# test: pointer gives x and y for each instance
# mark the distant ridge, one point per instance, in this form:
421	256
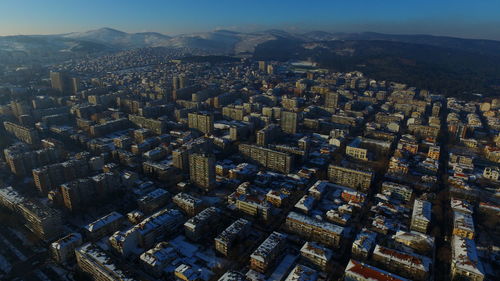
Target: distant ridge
231	42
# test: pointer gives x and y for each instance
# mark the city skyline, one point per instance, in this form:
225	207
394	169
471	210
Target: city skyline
446	18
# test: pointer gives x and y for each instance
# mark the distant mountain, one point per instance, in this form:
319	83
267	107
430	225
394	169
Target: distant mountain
489	47
45	49
450	71
119	39
219	41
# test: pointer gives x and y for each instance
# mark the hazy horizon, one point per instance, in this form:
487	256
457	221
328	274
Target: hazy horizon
447	18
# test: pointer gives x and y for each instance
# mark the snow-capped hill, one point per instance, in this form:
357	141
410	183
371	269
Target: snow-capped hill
120	39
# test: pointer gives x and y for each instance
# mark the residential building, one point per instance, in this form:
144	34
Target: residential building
156	259
289	122
465	263
412	266
200	225
188	203
463	225
358	271
103	226
274	160
301	272
202	170
147	232
45	222
201	121
63	250
399	191
238	230
421	216
357	179
98	265
267	253
311	228
316	254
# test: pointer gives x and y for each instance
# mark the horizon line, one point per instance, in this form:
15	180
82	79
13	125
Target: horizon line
254	31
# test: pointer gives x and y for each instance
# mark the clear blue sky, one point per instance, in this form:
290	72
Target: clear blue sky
462	18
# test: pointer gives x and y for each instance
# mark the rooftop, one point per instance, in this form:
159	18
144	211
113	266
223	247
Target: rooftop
103	261
464	255
367	272
302	273
103	221
317	223
268	246
422	210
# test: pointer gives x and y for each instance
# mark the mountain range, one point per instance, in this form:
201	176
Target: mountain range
219	41
453	66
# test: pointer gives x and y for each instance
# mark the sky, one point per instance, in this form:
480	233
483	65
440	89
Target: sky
459	18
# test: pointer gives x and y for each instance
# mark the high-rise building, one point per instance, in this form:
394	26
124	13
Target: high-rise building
183	81
201	121
28	135
268	134
43	221
262	65
175	82
202	170
331	100
270	69
289	122
64	83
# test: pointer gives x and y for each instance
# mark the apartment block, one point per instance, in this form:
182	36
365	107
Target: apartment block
188	203
399	191
147	232
357	179
463	225
465	263
358	271
25	134
266	254
408	265
201	224
98	265
316	230
316	254
202	170
421	216
201	121
103	226
63	250
274	160
232	235
45	222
